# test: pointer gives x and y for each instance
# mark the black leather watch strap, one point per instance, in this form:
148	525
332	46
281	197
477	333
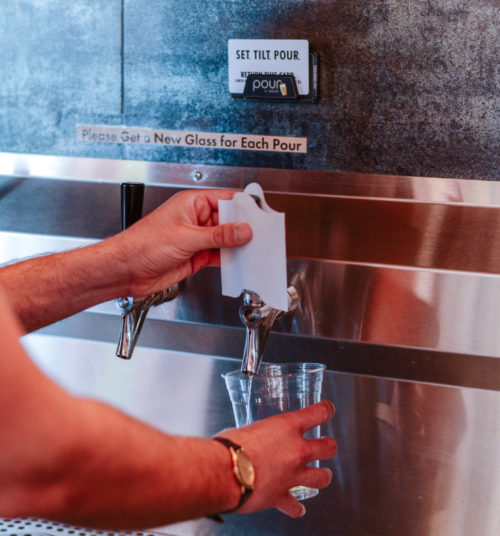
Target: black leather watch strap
227	442
246	492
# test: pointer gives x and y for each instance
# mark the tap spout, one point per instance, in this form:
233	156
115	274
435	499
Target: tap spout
134	312
259	318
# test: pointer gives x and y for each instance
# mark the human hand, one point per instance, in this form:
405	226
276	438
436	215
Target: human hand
280	453
177	240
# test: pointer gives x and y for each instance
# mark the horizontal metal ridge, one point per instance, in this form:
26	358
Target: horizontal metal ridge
329	183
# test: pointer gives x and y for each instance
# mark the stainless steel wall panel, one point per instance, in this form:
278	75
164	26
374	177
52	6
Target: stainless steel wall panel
397	278
442	311
450	317
344	356
368	228
413	459
15	247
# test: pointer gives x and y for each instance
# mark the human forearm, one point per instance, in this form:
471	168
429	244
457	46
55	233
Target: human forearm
160	479
46	289
170	244
120	473
84	462
117	473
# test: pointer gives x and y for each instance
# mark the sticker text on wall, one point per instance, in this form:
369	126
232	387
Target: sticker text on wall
179	138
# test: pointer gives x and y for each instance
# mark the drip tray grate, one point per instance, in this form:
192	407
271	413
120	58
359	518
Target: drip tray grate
30	526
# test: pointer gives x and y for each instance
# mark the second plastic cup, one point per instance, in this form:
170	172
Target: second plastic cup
277	389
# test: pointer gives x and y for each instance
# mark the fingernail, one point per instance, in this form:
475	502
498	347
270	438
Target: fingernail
329	471
303	511
332	407
240	231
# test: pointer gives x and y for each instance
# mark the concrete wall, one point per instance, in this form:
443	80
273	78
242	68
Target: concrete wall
406	88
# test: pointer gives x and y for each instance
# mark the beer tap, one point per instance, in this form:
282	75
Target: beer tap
259	318
135	310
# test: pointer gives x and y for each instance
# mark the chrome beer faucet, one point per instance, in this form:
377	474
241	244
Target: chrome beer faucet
135	310
259	319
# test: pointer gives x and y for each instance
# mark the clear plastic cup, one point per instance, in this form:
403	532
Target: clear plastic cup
277	389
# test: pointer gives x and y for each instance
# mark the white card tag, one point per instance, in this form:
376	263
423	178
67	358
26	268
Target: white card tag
268	57
260	265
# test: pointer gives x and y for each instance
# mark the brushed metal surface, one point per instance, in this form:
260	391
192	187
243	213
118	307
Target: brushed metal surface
417	189
443	311
444	236
15	247
399	276
414	459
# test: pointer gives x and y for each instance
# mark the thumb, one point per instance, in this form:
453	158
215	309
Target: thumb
225	236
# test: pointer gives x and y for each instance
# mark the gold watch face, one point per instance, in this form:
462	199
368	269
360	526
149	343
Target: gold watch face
245	469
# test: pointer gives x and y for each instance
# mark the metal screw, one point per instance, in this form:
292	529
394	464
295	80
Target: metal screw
123	302
197	176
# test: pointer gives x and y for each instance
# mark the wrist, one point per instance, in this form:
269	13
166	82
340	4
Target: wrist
111	268
230	489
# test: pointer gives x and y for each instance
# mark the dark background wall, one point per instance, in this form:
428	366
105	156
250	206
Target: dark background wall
407	88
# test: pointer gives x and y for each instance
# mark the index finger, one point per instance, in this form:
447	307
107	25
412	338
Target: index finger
314	415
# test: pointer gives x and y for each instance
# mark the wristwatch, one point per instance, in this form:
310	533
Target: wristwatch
242	468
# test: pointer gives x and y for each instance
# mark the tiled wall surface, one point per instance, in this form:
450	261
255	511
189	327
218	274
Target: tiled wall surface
407	88
60	64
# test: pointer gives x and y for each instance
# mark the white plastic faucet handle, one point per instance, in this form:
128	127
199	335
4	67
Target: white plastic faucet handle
259	265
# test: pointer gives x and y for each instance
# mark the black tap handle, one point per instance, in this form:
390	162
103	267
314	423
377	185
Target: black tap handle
132	202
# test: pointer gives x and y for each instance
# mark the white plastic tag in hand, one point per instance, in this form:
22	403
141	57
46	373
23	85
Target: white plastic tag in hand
260	265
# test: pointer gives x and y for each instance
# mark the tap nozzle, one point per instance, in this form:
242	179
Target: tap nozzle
134	312
259	319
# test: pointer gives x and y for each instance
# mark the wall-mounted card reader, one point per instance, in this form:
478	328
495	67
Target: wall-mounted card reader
272	70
